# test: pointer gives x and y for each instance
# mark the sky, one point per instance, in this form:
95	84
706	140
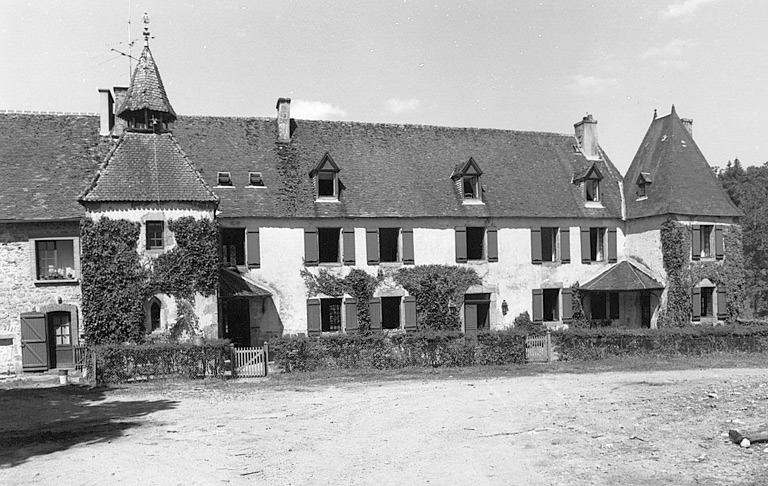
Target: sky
506	64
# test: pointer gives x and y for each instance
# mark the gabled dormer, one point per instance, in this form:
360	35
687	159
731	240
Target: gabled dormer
644	180
466	177
589	177
325	176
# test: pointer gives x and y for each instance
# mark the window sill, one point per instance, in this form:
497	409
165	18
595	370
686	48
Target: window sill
256	187
705	259
330	264
223	187
391	264
327	200
641	198
551	264
593	204
57	281
473	202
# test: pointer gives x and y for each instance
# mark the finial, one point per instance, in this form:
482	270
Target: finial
654	113
673	109
146	29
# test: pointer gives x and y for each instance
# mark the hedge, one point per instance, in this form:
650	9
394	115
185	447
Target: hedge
120	363
382	351
601	343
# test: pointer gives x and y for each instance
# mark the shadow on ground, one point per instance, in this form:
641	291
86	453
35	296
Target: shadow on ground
39	421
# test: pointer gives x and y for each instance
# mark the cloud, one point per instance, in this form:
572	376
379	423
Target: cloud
683	9
316	110
670	55
581	84
398	106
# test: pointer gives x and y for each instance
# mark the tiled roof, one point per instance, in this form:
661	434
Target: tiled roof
146	90
683	182
392	170
232	284
623	276
46	160
148	167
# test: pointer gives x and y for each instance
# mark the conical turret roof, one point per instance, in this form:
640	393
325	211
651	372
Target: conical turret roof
146	91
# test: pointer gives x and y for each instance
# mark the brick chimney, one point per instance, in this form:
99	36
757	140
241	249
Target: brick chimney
688	124
120	124
106	112
586	134
283	119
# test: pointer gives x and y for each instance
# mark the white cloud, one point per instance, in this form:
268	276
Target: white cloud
315	110
398	106
581	84
684	9
670	55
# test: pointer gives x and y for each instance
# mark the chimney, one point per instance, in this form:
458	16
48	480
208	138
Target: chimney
120	124
283	120
688	124
106	113
586	134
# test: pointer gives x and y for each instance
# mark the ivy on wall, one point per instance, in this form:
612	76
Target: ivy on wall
357	283
683	274
117	283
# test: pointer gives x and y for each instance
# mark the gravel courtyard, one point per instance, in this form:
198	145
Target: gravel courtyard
648	428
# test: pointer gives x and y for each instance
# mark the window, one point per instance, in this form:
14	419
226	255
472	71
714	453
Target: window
255	179
224	179
327	185
326	177
466	177
549	244
60	322
390	312
328	245
597	244
233	246
389	244
55	259
592	188
330	315
471	187
551	304
154	316
707	302
642	190
155	235
707	241
476	243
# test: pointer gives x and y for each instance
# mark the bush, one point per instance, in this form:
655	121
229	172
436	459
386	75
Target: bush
120	363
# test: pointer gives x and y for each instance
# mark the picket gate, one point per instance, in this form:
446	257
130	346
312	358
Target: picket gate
538	349
249	362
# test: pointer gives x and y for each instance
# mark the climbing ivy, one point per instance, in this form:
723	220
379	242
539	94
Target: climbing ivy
358	283
580	319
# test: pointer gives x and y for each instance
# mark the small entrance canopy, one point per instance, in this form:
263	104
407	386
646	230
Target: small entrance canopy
622	277
231	284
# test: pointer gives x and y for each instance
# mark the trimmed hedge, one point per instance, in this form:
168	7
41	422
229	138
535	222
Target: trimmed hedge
382	351
120	363
601	343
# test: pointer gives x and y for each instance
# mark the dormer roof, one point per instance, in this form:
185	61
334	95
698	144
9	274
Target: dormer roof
468	168
587	172
326	163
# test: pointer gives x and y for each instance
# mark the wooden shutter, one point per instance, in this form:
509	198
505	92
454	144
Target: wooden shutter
372	245
696	242
350	313
536	246
722	304
696	303
719	248
311	254
470	319
612	250
348	242
492	240
538	305
461	244
407	235
409	304
253	248
567	305
585	254
565	245
374	307
34	341
314	320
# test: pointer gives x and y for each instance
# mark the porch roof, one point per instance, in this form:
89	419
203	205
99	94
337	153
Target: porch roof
232	284
623	276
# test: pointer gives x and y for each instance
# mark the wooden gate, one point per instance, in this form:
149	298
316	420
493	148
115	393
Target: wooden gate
34	342
249	362
538	349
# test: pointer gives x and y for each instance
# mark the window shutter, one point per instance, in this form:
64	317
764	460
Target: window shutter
461	244
565	245
585	255
722	304
719	249
407	235
348	242
470	319
311	256
491	235
567	305
696	242
409	303
314	321
536	246
372	245
374	307
538	305
612	250
696	303
350	308
253	248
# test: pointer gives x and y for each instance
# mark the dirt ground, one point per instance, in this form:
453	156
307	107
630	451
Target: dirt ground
646	428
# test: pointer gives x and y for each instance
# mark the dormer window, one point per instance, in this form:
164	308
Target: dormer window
643	181
224	179
590	178
326	179
466	176
255	179
592	190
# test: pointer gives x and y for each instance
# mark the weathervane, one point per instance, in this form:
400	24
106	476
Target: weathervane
146	29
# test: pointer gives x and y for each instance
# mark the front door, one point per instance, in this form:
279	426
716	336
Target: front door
34	342
237	321
477	311
60	331
645	309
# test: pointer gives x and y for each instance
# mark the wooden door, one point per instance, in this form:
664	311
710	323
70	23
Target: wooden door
645	309
34	342
62	352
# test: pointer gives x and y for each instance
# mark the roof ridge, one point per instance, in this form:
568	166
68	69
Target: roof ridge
41	112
